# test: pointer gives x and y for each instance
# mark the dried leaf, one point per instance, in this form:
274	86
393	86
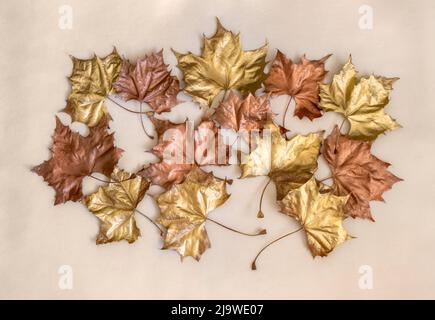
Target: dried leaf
160	126
172	140
149	81
91	82
300	81
75	156
362	104
243	114
290	163
223	65
357	172
320	214
209	146
178	153
184	209
115	205
166	174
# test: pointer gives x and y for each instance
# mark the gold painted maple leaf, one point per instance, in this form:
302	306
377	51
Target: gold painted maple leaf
361	103
222	65
289	163
91	82
184	209
320	214
115	205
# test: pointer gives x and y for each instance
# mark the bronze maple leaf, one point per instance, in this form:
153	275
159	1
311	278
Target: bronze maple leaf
175	143
150	81
243	114
298	80
75	157
357	172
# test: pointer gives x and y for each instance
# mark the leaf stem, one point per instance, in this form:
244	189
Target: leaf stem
150	220
341	125
261	232
105	181
126	109
286	109
339	133
140	113
224	96
253	265
142	124
324	179
260	213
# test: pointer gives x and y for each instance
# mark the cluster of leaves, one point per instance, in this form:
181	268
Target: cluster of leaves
358	176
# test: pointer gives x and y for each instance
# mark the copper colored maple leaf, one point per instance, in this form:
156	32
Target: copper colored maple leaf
166	174
160	126
300	81
357	172
75	157
179	150
243	114
172	140
209	146
149	81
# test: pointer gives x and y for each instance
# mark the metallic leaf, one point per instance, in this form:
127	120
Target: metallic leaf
243	114
298	80
184	209
115	205
362	104
150	81
289	163
91	81
320	214
165	174
187	151
223	65
75	156
357	172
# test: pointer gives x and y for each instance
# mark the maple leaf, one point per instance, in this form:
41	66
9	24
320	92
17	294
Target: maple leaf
91	82
223	65
362	104
289	163
172	140
320	214
150	81
243	114
178	155
299	81
160	126
115	205
75	156
357	172
184	210
165	173
209	146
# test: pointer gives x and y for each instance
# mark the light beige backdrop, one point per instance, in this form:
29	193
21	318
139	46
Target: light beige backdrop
37	238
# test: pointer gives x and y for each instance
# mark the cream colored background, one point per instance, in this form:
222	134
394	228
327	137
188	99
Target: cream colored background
36	238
